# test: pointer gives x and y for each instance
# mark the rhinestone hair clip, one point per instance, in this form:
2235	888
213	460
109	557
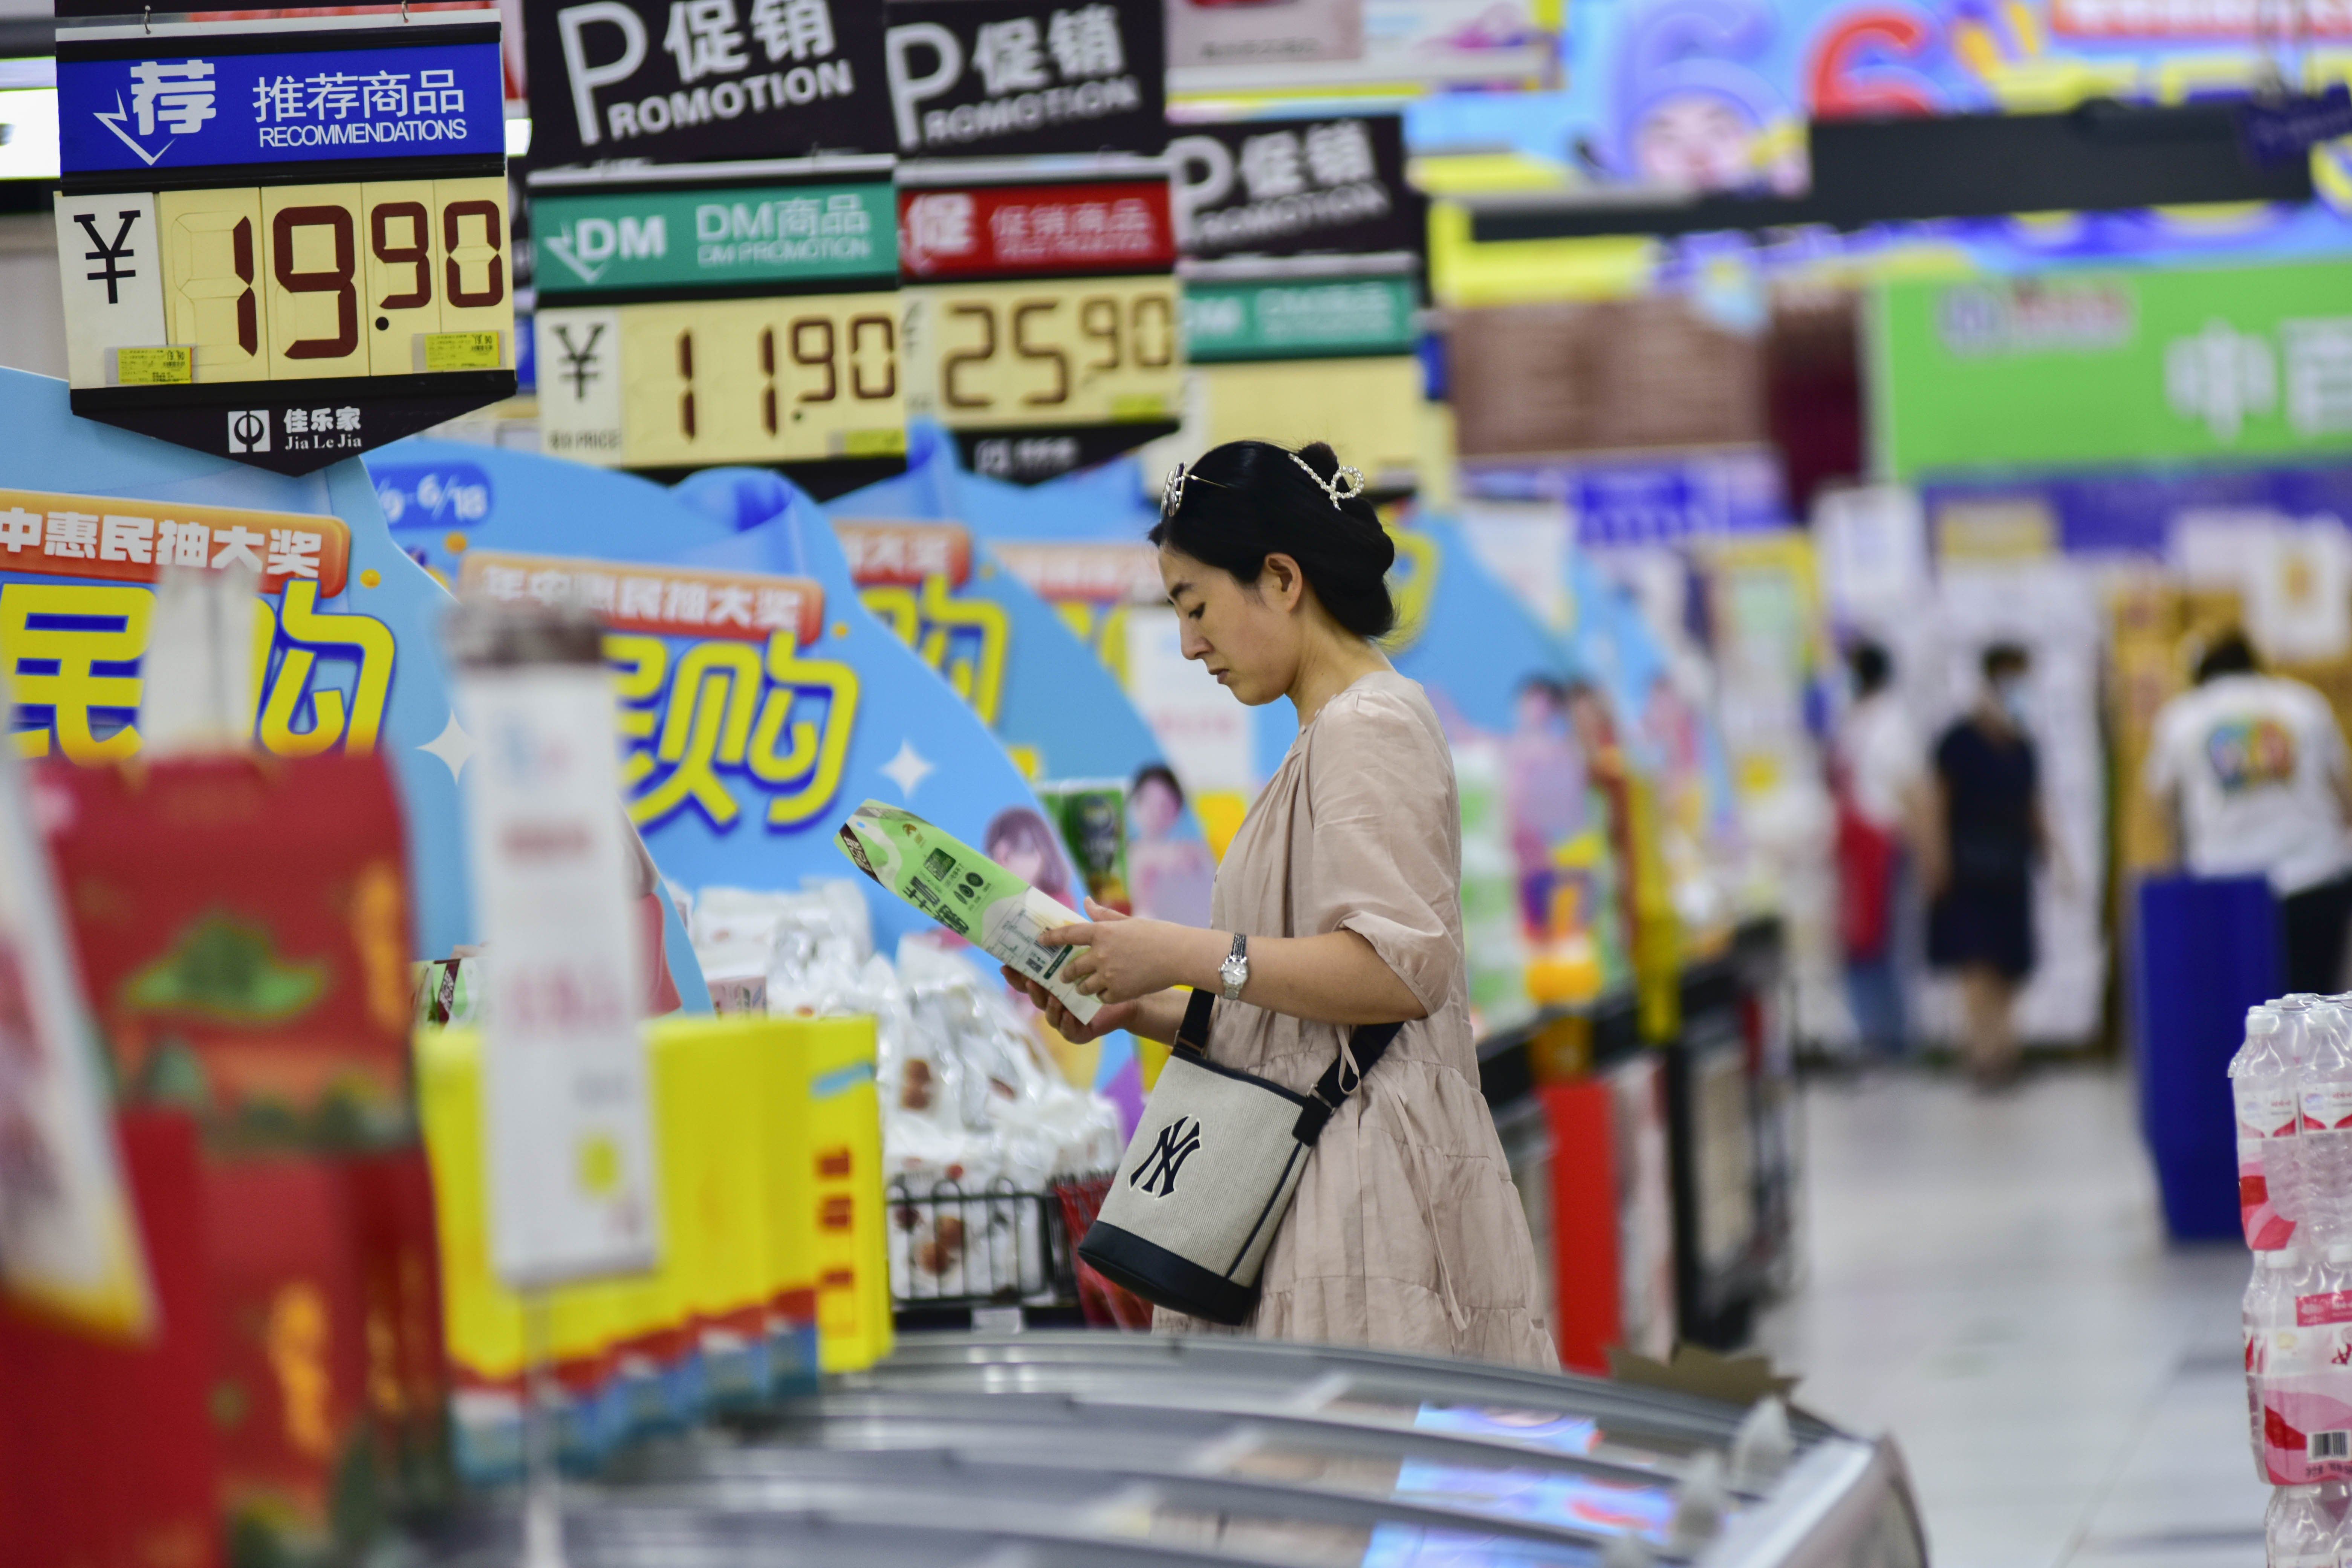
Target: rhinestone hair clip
1171	491
1344	486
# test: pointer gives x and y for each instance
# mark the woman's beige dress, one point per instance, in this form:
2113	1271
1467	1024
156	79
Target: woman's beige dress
1407	1233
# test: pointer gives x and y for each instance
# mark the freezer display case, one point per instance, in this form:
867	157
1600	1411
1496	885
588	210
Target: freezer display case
1155	1450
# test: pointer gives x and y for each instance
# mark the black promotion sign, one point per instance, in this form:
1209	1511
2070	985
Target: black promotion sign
992	77
695	80
1295	187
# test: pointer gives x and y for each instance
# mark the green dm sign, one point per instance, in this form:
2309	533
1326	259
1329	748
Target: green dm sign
1297	320
2095	369
708	238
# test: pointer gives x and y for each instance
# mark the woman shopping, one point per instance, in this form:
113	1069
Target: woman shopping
1338	906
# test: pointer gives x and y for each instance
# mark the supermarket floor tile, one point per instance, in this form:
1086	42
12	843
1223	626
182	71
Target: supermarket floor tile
1988	1280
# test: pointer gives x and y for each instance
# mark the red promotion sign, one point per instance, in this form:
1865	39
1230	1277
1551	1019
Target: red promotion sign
993	231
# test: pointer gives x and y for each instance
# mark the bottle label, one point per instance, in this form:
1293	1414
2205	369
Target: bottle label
2306	1431
2266	1111
2327	1307
2328	1107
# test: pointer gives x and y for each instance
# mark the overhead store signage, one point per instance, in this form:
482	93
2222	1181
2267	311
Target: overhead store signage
713	236
1084	227
1043	322
729	293
121	108
1217	46
1285	188
683	325
990	78
1304	246
284	241
689	80
1298	320
1535	381
1654	100
2228	362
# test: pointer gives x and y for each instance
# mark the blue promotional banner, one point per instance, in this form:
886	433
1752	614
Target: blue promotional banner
761	703
208	107
1715	95
353	661
1664	499
1048	700
1473	646
2135	513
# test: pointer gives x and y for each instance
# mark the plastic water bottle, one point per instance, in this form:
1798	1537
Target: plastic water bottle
2296	1531
2262	1084
2269	1307
2323	1136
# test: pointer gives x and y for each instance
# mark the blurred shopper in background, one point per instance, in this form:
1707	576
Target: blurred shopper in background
1986	830
1879	779
2254	768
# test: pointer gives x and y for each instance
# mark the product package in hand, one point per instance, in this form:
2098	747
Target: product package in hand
967	892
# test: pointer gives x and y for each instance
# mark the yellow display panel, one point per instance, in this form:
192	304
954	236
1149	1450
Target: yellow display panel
1093	350
403	301
212	275
469	244
1292	402
787	380
298	282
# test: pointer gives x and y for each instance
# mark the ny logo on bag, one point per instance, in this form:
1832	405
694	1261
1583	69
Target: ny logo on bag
1157	1174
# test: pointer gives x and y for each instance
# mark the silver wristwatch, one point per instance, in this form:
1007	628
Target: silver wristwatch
1234	970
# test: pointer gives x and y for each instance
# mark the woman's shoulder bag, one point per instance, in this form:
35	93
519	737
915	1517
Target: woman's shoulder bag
1210	1172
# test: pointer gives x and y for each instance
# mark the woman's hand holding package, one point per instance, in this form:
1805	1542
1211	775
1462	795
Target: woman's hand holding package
1123	959
1107	1019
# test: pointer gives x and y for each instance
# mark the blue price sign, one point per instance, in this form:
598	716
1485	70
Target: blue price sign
163	107
284	239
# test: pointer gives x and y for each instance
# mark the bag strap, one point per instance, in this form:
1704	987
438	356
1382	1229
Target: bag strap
1367	1046
1192	1034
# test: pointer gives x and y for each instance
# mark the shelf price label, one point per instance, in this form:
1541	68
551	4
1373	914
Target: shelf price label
1097	351
688	383
223	290
683	323
1044	318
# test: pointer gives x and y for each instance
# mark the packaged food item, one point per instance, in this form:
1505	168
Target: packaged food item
1091	815
967	892
243	934
242	930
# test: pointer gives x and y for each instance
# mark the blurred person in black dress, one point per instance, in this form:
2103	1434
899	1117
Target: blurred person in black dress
1979	862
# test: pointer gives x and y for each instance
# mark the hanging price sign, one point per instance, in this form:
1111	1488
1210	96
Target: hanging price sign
684	322
1303	250
1044	321
284	241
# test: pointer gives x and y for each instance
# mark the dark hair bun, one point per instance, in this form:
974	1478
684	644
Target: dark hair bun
1248	499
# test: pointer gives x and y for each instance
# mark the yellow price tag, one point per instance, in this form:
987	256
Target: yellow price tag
154	367
794	379
1290	401
460	351
296	282
1091	351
